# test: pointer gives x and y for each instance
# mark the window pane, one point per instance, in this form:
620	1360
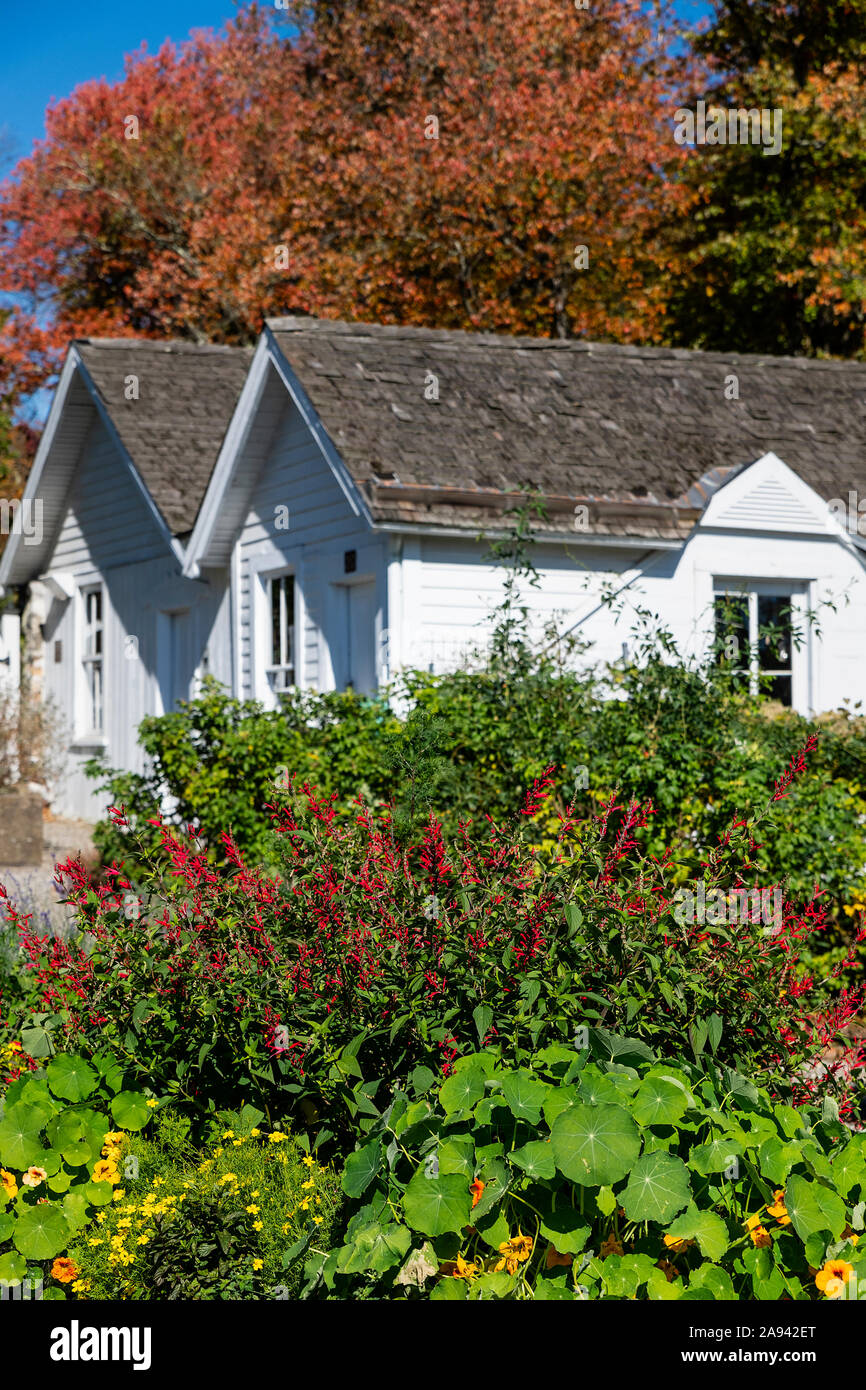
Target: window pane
275	622
779	688
732	630
774	646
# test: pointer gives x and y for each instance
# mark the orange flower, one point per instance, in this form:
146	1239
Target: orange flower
778	1209
8	1183
64	1270
476	1188
610	1246
761	1238
831	1280
464	1269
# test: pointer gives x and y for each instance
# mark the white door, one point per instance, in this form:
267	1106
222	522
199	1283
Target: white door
359	628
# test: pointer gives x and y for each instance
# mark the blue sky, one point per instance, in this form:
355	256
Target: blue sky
46	51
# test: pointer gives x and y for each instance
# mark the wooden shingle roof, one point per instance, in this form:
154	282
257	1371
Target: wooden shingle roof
648	431
187	393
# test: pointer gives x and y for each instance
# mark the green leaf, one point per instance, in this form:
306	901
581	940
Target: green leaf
99	1194
715	1157
524	1094
70	1077
482	1017
566	1230
535	1158
435	1206
715	1279
41	1232
130	1110
361	1168
375	1248
659	1102
705	1227
13	1267
462	1090
595	1145
20	1130
605	1201
658	1188
449	1291
813	1207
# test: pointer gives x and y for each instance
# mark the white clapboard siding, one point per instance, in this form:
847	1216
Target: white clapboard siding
321	527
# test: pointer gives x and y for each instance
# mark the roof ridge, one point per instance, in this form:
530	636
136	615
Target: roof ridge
343	327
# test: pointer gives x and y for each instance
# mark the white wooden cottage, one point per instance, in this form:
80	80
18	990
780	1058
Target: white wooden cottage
311	513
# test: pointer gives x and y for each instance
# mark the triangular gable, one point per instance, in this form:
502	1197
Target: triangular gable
76	403
228	497
769	496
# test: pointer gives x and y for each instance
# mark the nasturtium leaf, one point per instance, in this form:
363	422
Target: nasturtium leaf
462	1090
375	1248
99	1194
13	1267
80	1155
716	1157
41	1232
559	1099
813	1207
714	1279
493	1228
361	1168
566	1230
658	1187
457	1155
20	1130
130	1110
36	1041
434	1206
497	1179
524	1094
70	1077
605	1201
75	1209
658	1287
624	1274
449	1291
659	1102
595	1145
848	1168
705	1227
491	1285
7	1222
776	1159
66	1128
59	1182
535	1158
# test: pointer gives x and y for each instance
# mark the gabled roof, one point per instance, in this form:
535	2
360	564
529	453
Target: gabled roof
648	434
187	393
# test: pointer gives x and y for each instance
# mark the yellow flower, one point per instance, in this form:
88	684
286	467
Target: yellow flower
463	1269
831	1280
228	1134
229	1177
218	1152
159	1182
236	1143
118	1195
258	1264
276	1136
317	1220
103	1171
96	1240
309	1162
254	1133
81	1286
253	1210
308	1184
152	1104
10	1186
761	1238
305	1205
257	1225
678	1244
519	1247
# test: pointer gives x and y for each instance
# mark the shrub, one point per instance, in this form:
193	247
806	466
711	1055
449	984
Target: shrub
371	959
599	1174
60	1139
231	1221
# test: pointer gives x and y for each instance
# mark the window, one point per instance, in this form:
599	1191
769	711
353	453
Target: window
755	638
92	657
281	671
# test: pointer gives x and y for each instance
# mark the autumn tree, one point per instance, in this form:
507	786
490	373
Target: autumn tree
775	250
464	163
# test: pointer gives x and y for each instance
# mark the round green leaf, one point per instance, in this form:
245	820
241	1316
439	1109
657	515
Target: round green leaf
361	1168
99	1194
595	1145
70	1077
705	1227
657	1189
535	1158
130	1110
41	1232
20	1131
13	1267
462	1090
813	1207
566	1230
75	1210
434	1206
659	1102
524	1094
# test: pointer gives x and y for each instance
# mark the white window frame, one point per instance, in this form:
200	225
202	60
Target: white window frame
278	671
797	593
90	661
269	564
